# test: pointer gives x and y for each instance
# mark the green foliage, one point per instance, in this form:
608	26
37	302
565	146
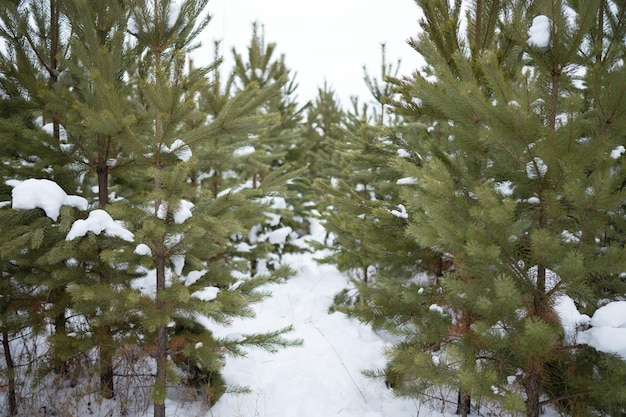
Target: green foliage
153	142
508	178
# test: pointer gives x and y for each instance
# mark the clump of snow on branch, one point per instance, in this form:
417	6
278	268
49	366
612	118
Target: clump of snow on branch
44	194
402	153
244	150
617	152
180	149
206	294
570	317
407	181
143	250
183	212
97	222
401	212
569	237
533	200
539	32
193	277
608	329
278	236
437	308
536	168
504	188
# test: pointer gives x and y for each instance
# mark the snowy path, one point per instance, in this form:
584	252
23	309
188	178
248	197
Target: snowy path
321	378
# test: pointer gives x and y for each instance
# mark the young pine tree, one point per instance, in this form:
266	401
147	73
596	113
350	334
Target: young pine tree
35	41
522	188
277	147
362	206
178	236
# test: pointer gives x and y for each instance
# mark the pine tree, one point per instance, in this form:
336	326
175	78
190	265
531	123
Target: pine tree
180	236
95	82
34	33
519	188
315	152
91	81
362	207
148	120
277	147
324	115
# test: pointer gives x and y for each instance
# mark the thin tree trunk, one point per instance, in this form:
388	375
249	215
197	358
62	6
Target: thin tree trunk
160	384
533	394
102	171
10	373
107	351
53	66
106	342
60	321
463	404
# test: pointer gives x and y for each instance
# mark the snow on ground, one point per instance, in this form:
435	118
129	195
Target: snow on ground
323	376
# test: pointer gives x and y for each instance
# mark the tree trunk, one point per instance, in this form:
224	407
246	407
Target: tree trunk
102	171
60	365
464	403
53	65
107	386
10	373
107	350
160	384
533	393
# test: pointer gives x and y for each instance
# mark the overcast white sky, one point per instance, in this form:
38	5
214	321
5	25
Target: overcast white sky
323	39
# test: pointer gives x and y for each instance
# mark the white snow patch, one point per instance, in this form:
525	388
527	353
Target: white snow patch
569	237
289	383
536	168
401	212
504	188
533	200
279	236
608	331
194	276
178	262
162	211
44	194
570	317
407	181
244	150
97	222
206	294
184	211
243	247
610	315
552	278
49	129
180	149
402	153
143	250
437	308
617	152
539	32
